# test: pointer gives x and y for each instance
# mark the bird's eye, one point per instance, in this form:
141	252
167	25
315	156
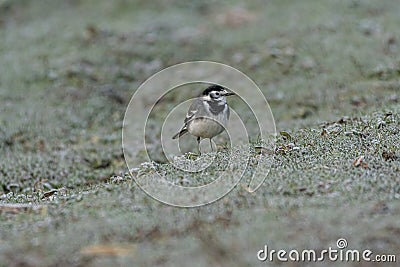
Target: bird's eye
217	94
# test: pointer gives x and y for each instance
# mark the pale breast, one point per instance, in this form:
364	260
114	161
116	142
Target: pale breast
205	128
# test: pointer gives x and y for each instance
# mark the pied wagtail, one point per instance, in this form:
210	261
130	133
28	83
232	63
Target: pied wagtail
208	114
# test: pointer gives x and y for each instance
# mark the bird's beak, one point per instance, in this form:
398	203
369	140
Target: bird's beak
228	93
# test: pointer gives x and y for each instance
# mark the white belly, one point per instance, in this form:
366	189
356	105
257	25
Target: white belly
206	128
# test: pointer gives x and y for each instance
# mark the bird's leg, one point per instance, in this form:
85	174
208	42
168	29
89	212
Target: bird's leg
198	144
211	145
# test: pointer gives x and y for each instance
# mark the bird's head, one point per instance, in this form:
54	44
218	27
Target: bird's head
216	93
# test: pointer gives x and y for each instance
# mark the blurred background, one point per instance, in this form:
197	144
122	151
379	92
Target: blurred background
69	68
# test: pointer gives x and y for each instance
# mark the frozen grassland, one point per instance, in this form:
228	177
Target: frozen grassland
329	69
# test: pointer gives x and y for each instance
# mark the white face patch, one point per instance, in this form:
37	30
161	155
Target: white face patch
207	98
221	100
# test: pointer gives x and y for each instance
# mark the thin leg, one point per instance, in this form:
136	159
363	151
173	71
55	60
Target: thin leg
211	146
198	144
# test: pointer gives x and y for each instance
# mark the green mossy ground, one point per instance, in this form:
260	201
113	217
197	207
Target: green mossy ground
69	68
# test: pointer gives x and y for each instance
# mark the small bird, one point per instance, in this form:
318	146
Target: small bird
208	114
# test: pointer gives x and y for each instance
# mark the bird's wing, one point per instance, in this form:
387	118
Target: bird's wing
193	109
191	114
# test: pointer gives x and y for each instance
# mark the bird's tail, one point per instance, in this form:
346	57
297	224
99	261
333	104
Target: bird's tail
181	132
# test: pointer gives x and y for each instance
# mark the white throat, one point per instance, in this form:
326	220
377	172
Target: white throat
221	100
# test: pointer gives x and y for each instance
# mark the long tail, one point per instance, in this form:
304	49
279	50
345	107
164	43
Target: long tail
181	132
